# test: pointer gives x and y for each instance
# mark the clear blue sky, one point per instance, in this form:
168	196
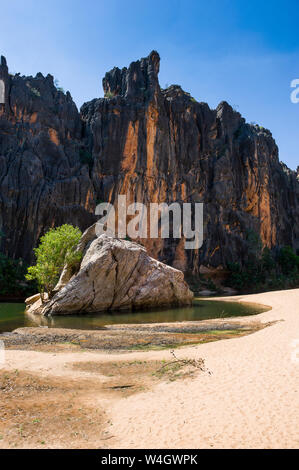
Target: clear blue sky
244	52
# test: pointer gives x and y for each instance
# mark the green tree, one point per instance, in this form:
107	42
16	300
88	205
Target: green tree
267	260
254	244
12	277
288	261
57	248
265	269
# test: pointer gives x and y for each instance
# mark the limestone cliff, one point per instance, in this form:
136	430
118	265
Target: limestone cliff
151	144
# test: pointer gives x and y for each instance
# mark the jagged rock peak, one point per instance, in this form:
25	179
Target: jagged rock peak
139	79
174	92
3	61
3	67
5	79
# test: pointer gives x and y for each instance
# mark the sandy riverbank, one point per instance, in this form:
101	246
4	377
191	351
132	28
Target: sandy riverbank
249	401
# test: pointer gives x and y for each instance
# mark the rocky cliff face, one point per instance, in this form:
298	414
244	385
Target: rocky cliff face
162	146
151	144
42	181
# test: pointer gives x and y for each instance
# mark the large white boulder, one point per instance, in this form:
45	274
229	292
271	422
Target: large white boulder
116	274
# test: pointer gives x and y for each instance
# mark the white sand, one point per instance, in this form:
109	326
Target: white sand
251	400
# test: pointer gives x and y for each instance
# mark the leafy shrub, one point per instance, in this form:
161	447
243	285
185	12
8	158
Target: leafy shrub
12	278
56	248
264	269
267	260
254	244
108	94
33	90
59	88
289	262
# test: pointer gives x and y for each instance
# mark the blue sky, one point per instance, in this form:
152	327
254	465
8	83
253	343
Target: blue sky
246	53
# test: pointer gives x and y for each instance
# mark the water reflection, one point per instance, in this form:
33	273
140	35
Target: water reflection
12	315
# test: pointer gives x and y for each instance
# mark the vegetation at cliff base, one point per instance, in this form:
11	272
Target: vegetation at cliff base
265	269
12	278
56	249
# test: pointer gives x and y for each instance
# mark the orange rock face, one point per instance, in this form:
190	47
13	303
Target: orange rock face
166	147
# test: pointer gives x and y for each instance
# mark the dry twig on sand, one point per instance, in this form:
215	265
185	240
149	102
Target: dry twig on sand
171	367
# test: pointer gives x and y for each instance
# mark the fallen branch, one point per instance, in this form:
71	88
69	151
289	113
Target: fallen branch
196	363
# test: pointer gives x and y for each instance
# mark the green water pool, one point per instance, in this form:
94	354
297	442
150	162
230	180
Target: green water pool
13	315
